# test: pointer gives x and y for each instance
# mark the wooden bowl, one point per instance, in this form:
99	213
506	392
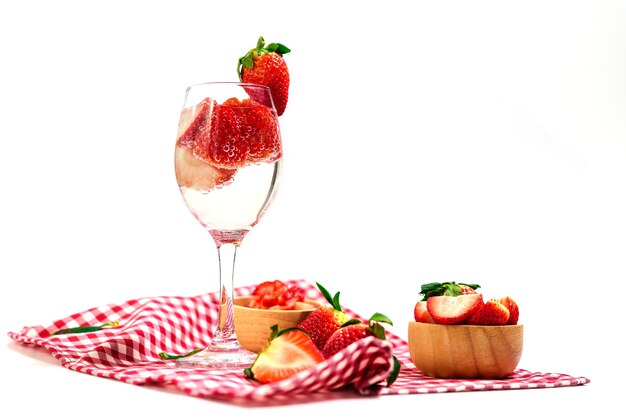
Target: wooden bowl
252	326
465	351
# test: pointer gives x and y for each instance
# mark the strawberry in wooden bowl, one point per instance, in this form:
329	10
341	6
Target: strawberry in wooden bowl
271	303
456	334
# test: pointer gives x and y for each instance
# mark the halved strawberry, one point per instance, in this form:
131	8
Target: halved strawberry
420	313
491	313
511	305
197	174
453	309
192	119
325	320
290	351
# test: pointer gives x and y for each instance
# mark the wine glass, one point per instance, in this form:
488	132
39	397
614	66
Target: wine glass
227	161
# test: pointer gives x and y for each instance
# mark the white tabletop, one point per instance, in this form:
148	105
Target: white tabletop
477	141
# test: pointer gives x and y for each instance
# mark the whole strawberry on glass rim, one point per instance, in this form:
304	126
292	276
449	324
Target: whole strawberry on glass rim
265	65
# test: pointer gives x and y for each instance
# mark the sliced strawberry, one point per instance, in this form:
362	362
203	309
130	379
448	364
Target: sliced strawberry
491	313
197	174
192	119
511	305
420	313
276	295
289	352
453	309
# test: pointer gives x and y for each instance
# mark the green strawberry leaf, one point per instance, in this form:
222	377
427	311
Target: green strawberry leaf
445	288
335	303
378	330
325	292
247	372
378	317
247	60
280	49
394	372
429	287
259	45
452	289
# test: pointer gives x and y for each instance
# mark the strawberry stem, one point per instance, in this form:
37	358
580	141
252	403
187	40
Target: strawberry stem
167	356
79	330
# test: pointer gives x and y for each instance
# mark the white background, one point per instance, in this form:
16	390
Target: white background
469	141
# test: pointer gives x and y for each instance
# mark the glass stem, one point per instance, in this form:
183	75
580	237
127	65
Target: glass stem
225	330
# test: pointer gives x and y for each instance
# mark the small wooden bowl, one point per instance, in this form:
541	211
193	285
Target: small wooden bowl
252	326
465	351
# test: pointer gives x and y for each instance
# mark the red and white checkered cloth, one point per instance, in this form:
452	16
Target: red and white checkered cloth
129	352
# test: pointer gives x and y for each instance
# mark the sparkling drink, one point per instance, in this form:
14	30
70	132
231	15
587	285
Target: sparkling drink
227	160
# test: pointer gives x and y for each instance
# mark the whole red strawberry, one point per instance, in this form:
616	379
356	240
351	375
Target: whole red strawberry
265	65
353	331
325	320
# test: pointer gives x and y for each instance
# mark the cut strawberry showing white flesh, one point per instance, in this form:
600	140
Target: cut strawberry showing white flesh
289	352
196	174
449	310
192	120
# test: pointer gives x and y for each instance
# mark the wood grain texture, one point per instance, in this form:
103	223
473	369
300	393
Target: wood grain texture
465	351
252	326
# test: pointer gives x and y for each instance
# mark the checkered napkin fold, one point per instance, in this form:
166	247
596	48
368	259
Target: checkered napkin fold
148	326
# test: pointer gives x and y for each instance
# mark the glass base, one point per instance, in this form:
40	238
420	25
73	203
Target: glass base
220	356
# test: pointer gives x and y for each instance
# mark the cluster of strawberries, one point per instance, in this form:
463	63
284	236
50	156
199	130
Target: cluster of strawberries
452	303
216	139
326	331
